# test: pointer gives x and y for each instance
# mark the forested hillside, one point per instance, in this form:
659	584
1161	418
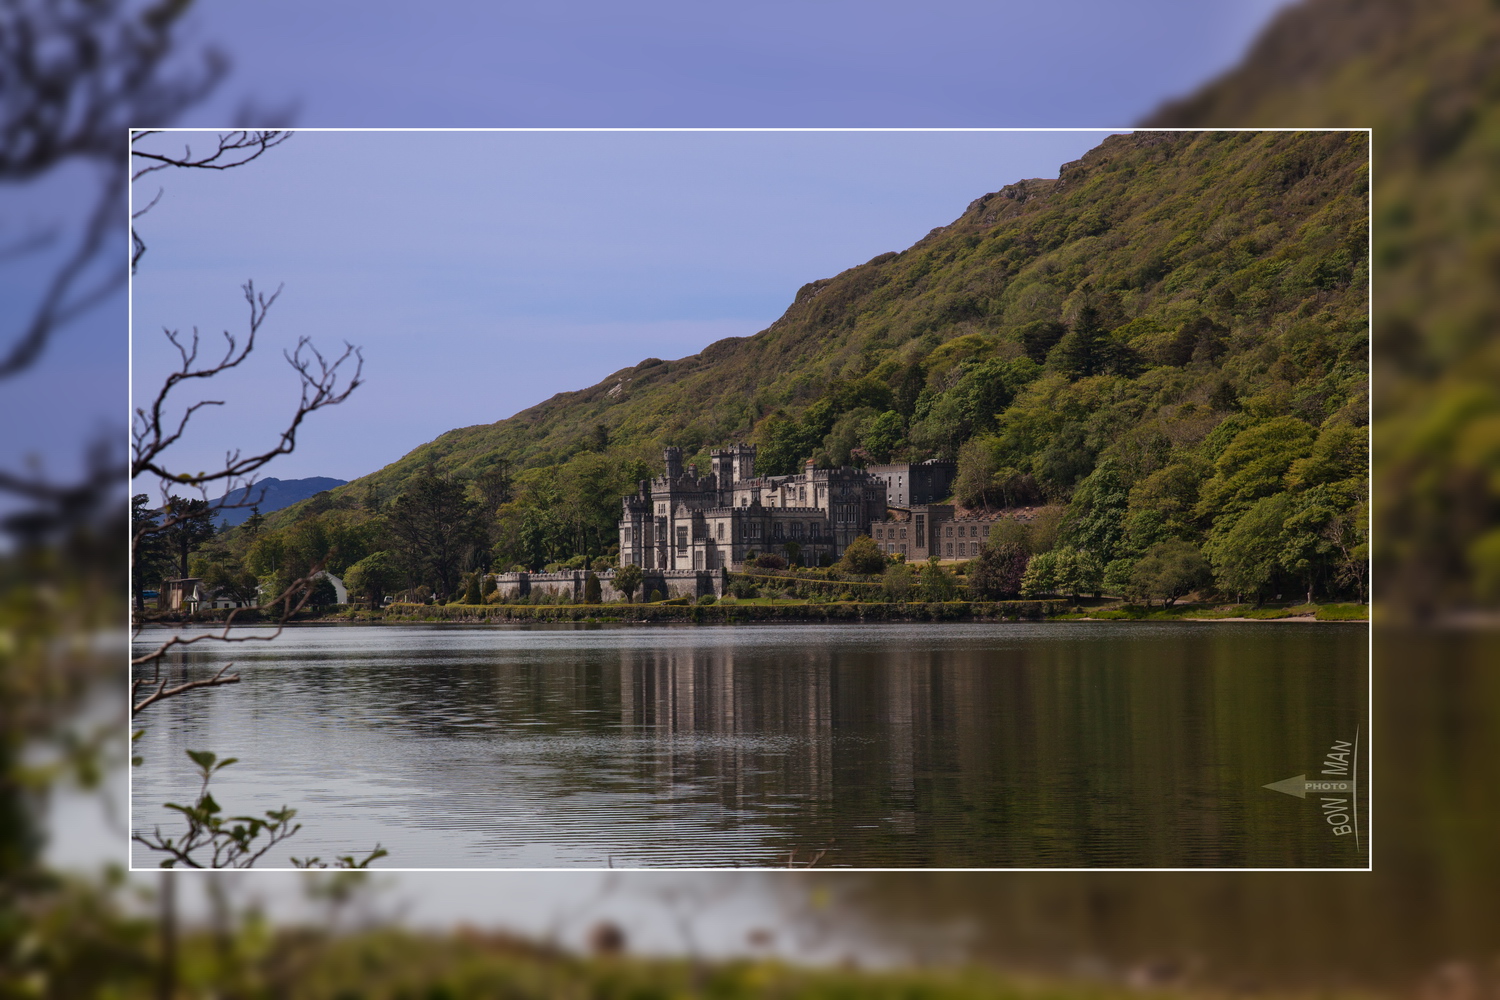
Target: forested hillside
1169	334
1426	78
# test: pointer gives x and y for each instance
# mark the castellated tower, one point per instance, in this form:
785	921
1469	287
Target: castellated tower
723	466
681	522
733	464
744	461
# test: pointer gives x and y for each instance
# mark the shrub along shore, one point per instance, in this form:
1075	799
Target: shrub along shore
681	611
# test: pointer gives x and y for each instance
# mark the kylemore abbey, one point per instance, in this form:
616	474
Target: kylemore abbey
683	521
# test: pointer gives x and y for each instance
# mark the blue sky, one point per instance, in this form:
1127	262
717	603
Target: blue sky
411	290
484	271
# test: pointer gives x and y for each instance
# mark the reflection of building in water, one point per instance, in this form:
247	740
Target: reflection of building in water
900	698
756	730
752	729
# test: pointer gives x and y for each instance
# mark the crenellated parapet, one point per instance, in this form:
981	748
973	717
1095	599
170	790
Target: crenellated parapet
681	521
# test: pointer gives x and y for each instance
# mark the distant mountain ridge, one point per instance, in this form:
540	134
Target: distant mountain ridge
270	494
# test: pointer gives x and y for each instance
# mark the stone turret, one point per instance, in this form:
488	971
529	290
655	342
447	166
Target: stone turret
742	457
723	466
682	522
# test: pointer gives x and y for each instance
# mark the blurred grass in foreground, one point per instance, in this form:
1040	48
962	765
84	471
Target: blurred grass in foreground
1426	76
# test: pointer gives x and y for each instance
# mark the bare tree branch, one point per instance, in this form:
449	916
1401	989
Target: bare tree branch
67	295
162	691
74	76
158	427
290	601
234	149
322	386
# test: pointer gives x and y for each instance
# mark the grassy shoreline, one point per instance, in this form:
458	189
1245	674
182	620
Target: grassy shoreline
797	611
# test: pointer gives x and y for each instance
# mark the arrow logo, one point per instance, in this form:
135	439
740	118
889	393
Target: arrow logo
1292	786
1300	785
1337	786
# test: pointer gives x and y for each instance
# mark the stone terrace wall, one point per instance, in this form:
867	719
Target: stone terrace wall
670	582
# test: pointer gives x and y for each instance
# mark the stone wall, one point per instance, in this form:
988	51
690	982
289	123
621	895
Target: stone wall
687	583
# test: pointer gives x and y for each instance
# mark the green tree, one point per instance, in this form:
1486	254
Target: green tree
848	432
1065	460
1087	349
1095	520
1163	502
1169	570
436	528
1348	533
862	557
1245	558
592	591
373	577
1063	570
1041	575
1080	572
474	587
322	595
987	388
494	487
1039	337
1252	467
1117	577
1010	531
1045	528
628	578
186	524
944	429
1341	453
152	560
998	571
884	434
785	442
898	582
1306	549
978	463
936	582
224	573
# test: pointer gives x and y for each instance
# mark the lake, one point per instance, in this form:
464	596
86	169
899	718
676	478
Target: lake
1047	745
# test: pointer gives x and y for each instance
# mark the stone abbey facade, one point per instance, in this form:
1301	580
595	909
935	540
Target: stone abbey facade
680	521
938	529
911	483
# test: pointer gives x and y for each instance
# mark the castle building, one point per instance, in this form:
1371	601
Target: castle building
908	484
927	530
680	520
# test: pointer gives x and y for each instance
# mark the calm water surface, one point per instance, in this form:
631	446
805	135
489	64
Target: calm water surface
893	745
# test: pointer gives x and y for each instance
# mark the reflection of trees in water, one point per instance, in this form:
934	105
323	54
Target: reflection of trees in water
1088	745
1426	913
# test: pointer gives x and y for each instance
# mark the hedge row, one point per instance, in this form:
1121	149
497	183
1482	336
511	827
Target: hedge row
848	611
